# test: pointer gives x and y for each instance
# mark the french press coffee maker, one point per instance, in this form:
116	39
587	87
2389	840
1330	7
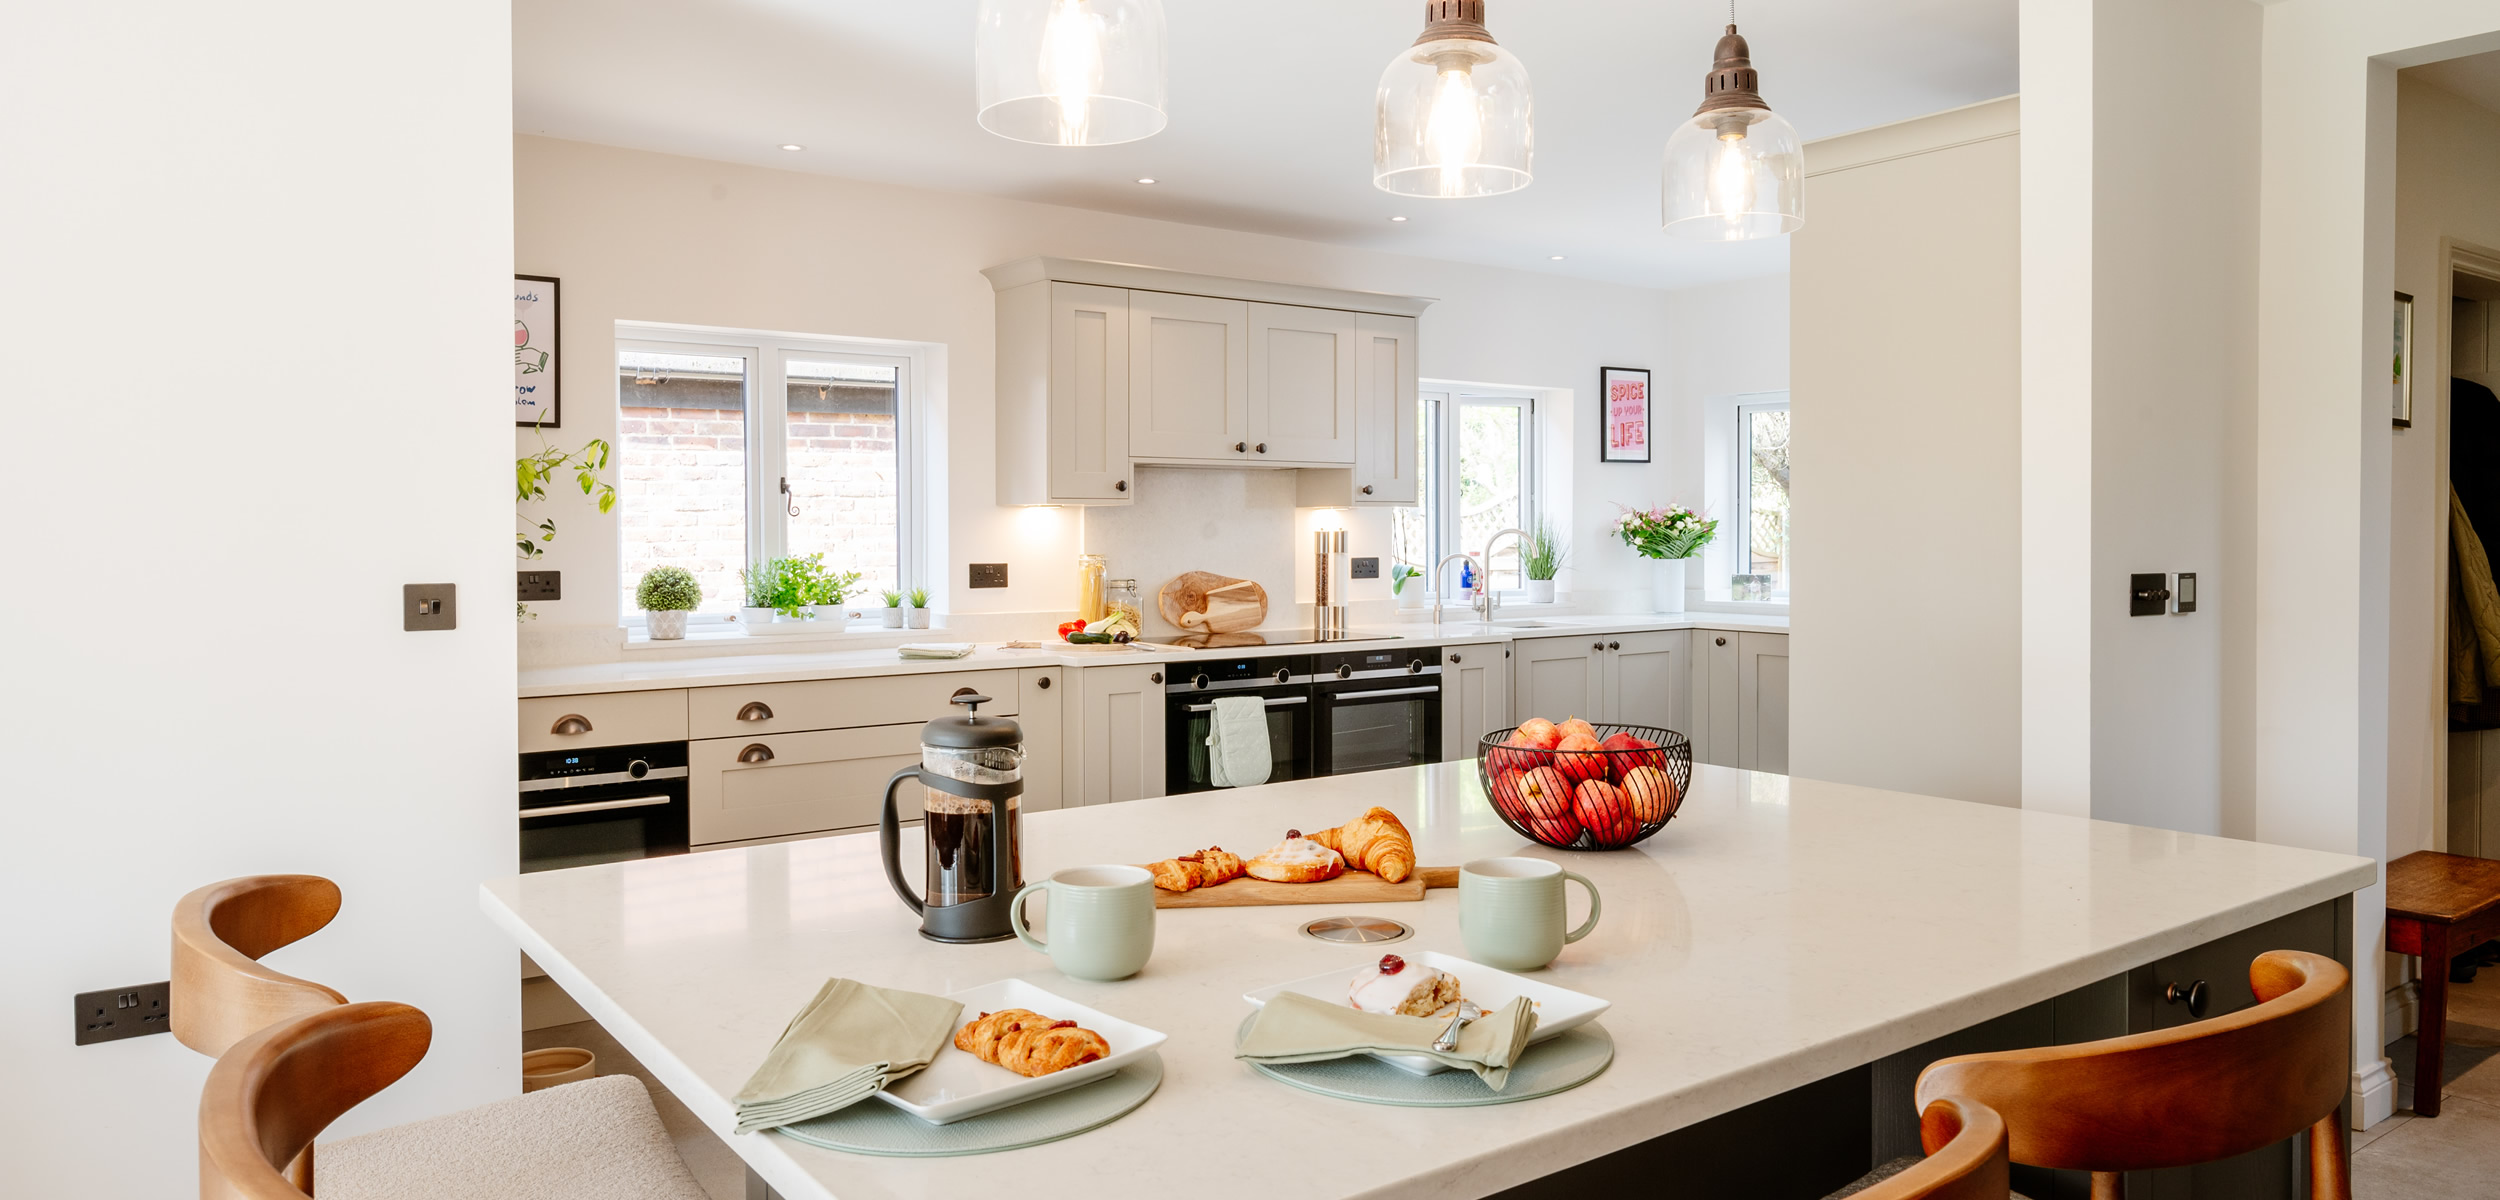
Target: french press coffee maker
971	772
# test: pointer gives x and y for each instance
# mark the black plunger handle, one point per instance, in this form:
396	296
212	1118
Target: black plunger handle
890	837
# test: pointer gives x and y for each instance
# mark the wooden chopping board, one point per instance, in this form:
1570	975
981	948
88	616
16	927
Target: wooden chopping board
1205	602
1353	887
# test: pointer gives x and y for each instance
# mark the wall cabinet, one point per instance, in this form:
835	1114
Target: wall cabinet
1624	678
1103	365
1118	734
1475	696
1739	701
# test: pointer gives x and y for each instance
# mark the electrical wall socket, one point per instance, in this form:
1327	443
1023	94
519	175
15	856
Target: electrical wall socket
426	606
542	585
989	575
127	1012
1366	568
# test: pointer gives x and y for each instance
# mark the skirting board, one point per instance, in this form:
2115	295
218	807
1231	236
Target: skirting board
2373	1094
2401	1014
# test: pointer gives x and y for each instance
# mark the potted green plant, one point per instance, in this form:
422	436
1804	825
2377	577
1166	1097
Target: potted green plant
666	595
1541	555
893	608
1668	536
826	591
763	584
918	615
1400	575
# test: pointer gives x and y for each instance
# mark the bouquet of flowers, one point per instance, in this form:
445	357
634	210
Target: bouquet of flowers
1671	532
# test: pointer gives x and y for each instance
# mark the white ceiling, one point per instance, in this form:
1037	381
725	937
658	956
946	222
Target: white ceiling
1270	108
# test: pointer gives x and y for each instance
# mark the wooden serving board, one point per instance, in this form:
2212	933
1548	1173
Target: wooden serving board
1205	602
1353	887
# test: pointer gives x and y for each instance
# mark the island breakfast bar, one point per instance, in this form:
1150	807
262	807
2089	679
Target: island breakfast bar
1781	960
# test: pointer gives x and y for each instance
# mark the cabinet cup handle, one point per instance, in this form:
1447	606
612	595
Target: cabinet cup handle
756	710
756	752
1157	677
1121	486
1367	489
2193	995
570	725
1722	641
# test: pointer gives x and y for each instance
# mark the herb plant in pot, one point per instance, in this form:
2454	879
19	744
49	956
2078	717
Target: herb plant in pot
1669	537
763	582
893	608
1541	555
666	595
1400	576
918	614
826	593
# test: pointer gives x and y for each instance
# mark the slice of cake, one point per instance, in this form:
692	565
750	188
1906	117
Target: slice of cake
1394	986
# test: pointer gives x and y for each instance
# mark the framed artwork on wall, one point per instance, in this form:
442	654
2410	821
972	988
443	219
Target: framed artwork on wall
1624	394
2403	376
537	363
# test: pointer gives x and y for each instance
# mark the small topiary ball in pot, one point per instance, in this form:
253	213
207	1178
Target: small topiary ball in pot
668	589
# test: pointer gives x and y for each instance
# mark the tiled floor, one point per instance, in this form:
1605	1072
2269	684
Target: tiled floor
2455	1156
723	1177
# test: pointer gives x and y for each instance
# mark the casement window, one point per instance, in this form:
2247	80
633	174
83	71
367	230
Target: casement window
1758	537
736	447
1479	455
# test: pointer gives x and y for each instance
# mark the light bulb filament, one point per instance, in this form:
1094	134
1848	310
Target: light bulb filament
1071	66
1731	177
1454	132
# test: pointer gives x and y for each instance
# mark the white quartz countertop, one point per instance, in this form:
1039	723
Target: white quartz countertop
1777	932
644	673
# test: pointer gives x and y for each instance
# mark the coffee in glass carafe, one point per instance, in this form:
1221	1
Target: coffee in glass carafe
972	777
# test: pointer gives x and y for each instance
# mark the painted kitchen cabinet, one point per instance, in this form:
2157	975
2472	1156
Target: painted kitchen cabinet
1475	696
1621	678
1302	384
1557	677
1118	734
1739	699
1388	462
1041	695
1189	387
1063	395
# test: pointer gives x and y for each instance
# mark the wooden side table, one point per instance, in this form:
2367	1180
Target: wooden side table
2438	906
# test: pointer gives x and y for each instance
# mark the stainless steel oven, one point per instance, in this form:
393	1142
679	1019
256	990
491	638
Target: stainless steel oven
1282	684
602	804
1378	709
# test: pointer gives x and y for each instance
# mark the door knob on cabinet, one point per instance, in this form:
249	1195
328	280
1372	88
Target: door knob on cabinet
1614	645
1043	683
1241	447
2193	995
1157	677
1262	447
756	752
1598	646
756	710
1367	489
1121	486
570	725
1456	659
1721	641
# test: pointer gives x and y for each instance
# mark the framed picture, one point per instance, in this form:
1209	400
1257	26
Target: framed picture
537	361
1624	393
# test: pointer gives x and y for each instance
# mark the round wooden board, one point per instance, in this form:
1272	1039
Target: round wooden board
1219	603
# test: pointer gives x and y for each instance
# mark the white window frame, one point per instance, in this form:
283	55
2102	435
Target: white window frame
1451	400
1729	486
767	354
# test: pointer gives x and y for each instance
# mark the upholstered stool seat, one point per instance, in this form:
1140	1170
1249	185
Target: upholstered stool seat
599	1139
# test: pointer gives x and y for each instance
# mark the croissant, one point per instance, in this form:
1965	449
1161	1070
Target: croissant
1028	1043
1205	868
1376	842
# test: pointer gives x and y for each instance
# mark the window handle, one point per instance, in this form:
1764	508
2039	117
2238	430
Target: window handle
792	501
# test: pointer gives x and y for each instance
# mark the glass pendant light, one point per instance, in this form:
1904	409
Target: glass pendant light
1454	113
1070	72
1735	169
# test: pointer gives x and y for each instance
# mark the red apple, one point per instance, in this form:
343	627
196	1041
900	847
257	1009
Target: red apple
1559	832
1629	751
1546	793
1536	732
1516	755
1600	806
1507	796
1575	725
1579	759
1651	792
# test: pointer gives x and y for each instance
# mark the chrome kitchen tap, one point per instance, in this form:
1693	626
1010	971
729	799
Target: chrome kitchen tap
1437	577
1488	602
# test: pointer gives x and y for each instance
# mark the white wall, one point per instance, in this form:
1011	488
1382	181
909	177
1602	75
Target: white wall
1905	617
2447	187
653	237
255	280
1727	340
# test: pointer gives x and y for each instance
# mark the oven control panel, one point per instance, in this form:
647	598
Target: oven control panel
1241	672
561	768
1379	663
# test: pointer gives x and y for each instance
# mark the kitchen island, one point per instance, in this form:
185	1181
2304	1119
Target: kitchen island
1781	951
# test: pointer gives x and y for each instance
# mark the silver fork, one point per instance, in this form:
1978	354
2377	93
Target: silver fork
1448	1041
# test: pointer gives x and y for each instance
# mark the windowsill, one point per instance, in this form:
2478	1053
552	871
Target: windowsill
860	634
1761	608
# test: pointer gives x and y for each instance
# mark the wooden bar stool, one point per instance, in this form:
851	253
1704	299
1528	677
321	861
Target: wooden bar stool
2177	1097
221	994
2438	906
274	1092
1966	1157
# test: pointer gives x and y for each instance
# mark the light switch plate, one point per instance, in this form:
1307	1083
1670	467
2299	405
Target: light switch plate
989	575
2148	595
1367	568
428	606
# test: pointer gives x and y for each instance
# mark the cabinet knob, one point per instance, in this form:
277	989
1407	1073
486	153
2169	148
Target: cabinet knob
2193	995
756	752
1598	646
570	725
1121	486
756	710
1262	447
1043	683
1367	489
1614	645
1720	641
1456	659
1240	447
1157	677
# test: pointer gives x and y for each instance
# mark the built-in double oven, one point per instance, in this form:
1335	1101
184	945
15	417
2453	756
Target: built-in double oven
1327	714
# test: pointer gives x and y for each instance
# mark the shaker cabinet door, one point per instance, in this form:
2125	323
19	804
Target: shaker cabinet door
1089	393
1388	457
1188	377
1557	677
1119	738
1475	697
1302	385
777	785
1647	680
1762	685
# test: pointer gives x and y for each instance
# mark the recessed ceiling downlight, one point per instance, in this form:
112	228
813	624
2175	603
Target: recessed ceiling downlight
792	146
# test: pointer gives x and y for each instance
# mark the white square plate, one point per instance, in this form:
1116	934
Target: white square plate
1557	1009
957	1085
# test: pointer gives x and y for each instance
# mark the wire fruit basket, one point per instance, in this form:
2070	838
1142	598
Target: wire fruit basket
1603	799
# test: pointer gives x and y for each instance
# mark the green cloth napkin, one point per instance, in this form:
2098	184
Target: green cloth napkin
847	1044
1295	1028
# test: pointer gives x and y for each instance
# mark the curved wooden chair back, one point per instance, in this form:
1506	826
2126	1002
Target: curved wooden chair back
271	1094
2175	1097
221	993
1966	1156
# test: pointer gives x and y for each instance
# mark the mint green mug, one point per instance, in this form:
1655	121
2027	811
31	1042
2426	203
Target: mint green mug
1100	921
1510	911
